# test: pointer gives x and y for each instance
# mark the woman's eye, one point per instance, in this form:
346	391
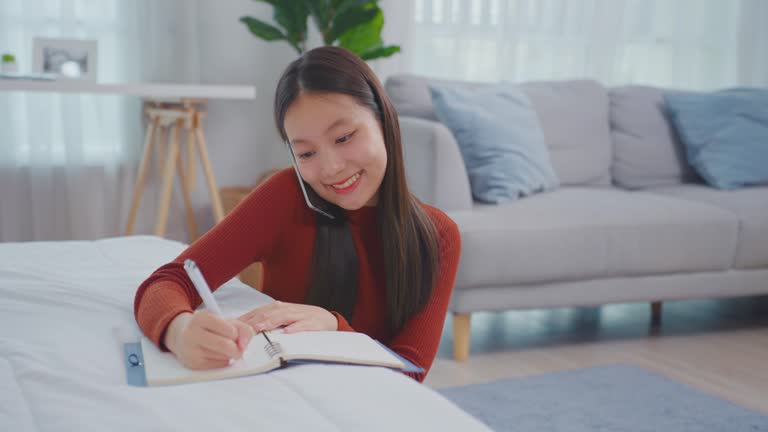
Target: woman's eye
345	138
306	155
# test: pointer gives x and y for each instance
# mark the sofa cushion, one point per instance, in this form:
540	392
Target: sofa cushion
646	150
750	205
573	116
725	134
500	139
585	233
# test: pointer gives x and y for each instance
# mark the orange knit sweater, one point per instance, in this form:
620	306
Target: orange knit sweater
273	225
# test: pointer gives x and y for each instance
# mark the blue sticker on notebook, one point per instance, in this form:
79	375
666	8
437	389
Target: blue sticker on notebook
134	364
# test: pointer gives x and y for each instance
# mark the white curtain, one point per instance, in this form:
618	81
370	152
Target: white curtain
68	161
687	44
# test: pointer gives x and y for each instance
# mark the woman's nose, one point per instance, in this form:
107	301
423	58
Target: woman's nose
333	164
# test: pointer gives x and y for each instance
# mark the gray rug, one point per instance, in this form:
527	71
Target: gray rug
613	398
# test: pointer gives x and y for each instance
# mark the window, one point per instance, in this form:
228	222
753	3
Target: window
683	43
68	128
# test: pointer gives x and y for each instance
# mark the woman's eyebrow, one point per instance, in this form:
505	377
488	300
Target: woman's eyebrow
336	123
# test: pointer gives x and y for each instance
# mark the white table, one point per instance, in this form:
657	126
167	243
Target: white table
153	91
170	108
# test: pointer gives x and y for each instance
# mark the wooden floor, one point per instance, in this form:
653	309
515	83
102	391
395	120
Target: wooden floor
718	346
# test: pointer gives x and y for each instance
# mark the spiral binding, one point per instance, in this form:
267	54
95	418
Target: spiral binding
273	349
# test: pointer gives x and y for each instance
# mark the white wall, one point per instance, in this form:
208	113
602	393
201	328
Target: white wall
241	136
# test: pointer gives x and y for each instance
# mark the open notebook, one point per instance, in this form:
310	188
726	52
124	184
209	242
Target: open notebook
274	349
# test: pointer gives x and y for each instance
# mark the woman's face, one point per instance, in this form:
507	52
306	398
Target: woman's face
339	148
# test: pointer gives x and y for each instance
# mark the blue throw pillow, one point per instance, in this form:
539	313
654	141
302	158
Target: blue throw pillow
500	139
725	134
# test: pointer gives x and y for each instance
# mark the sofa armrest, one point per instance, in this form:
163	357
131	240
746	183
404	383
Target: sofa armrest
433	164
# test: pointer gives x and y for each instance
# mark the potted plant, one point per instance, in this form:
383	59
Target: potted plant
352	24
8	63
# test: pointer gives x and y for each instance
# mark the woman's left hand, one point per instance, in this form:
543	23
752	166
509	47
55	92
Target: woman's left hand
296	318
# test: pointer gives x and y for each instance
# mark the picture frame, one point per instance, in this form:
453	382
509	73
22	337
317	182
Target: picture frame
66	58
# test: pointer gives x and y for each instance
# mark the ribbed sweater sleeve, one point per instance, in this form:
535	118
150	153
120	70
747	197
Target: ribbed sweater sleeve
342	322
249	232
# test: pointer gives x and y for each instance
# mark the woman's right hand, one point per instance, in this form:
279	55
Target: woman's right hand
203	340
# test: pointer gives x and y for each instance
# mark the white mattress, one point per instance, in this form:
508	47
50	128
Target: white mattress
66	308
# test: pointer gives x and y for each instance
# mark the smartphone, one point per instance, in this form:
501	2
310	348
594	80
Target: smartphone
302	185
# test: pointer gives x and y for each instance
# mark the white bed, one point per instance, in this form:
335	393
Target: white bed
66	308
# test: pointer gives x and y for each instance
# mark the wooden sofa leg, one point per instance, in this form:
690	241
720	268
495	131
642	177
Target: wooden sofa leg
656	313
461	336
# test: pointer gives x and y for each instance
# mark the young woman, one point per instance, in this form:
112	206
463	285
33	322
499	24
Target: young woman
368	257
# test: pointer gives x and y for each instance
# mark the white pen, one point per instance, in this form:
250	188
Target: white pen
203	289
201	286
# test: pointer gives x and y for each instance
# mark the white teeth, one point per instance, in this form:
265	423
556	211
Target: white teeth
348	183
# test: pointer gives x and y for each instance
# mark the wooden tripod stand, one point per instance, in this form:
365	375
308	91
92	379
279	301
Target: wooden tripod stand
163	117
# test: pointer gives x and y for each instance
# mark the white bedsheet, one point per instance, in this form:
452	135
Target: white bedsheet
66	308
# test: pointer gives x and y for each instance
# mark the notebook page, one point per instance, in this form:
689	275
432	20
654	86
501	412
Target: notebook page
163	368
335	346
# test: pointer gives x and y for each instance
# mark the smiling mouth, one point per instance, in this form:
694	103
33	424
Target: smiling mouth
348	186
346	183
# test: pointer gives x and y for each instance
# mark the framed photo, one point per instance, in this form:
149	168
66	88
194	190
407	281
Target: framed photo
66	58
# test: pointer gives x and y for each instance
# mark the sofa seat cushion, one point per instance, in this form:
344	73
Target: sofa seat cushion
584	233
750	205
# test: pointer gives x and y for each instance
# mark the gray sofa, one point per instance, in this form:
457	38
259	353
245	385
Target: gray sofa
630	223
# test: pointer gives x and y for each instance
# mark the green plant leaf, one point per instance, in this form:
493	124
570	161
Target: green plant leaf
321	13
385	51
291	16
350	19
342	6
261	29
364	37
355	24
326	11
